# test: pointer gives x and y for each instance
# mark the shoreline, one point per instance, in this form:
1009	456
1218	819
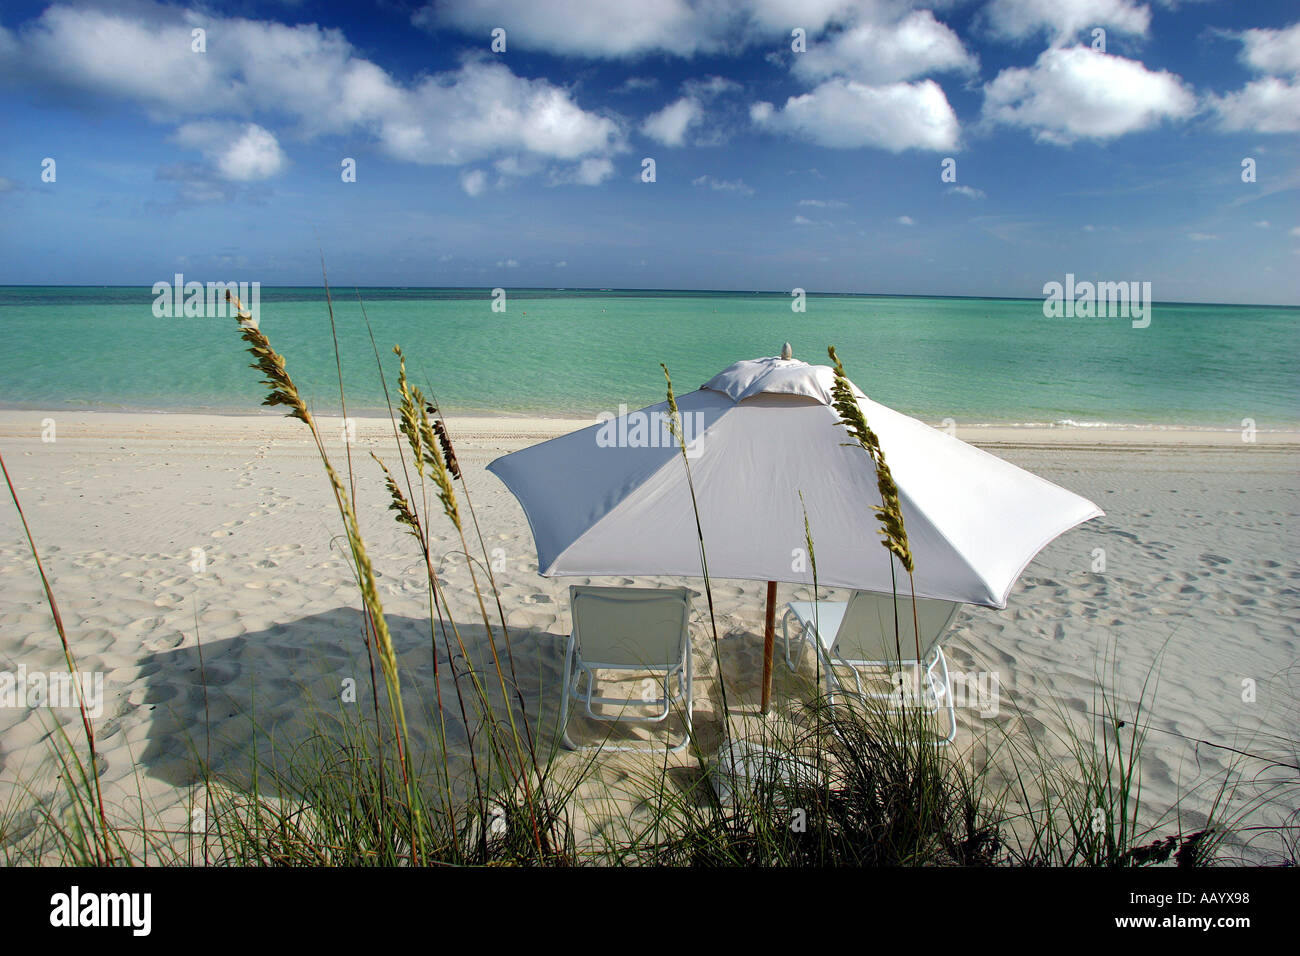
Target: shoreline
28	423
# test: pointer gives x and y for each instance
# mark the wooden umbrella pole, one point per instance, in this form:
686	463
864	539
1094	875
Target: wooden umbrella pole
769	642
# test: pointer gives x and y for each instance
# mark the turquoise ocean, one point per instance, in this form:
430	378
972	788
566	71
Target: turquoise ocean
579	352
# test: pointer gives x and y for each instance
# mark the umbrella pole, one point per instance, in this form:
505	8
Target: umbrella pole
769	642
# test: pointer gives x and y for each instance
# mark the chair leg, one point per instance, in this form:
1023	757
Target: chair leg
952	705
785	637
690	705
564	696
936	678
832	681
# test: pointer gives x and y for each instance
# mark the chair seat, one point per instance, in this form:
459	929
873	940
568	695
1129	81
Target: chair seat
821	617
628	630
868	627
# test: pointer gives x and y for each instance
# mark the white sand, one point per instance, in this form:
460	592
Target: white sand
1200	540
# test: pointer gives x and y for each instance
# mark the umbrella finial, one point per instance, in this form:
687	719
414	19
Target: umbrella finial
787	352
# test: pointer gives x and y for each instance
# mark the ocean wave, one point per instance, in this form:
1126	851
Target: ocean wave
1124	426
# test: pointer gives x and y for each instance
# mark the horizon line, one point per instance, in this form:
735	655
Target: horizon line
764	292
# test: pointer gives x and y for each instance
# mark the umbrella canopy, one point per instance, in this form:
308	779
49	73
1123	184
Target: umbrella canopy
613	498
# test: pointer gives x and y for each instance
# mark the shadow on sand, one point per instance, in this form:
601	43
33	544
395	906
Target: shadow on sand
246	704
243	706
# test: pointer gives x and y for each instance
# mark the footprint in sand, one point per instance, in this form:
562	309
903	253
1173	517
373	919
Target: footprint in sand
164	642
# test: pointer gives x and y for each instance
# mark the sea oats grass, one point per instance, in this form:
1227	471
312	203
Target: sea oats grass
890	510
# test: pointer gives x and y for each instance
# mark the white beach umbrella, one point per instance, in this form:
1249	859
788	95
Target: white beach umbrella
613	498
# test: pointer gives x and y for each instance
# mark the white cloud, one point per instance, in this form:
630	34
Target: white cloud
516	167
674	122
906	221
1272	51
309	80
592	171
237	153
634	83
473	181
812	15
1063	19
599	29
1296	232
507	264
670	124
710	87
970	192
563	263
848	115
1201	237
90	49
872	43
1077	93
822	203
590	28
860	99
483	108
1262	223
871	52
723	185
801	220
1270	104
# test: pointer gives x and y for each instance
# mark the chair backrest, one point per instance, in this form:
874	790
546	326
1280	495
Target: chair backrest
630	626
867	631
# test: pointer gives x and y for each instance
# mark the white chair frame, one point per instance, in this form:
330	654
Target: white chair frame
575	668
935	685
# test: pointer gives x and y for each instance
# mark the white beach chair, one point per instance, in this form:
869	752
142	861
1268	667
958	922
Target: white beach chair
633	630
859	633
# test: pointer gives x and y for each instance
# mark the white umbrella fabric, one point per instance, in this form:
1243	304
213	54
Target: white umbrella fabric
612	498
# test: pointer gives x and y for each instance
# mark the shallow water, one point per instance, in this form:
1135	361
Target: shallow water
581	352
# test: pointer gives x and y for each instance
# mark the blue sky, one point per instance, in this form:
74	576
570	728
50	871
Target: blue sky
774	169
